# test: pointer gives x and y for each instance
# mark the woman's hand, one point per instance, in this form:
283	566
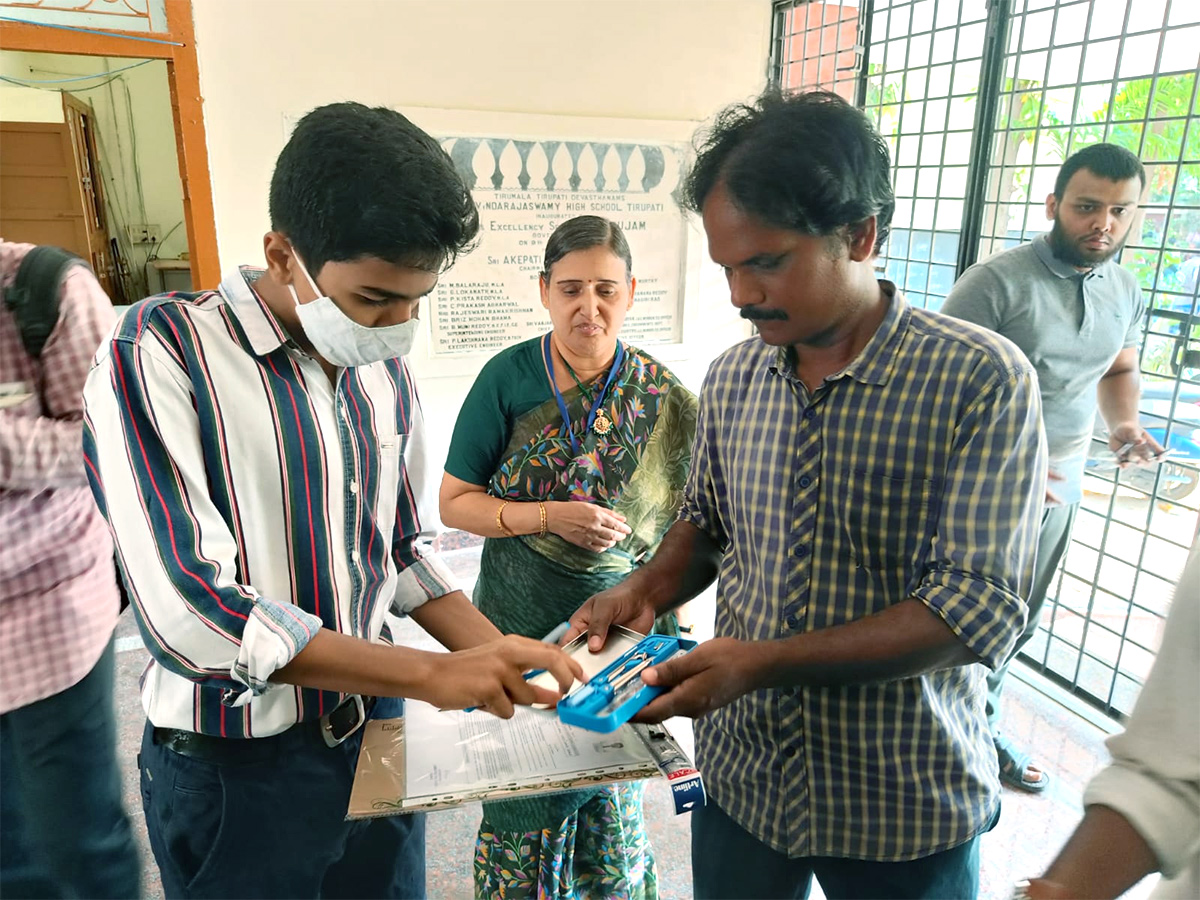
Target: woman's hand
586	525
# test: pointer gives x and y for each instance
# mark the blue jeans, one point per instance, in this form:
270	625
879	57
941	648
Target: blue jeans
729	863
63	831
272	823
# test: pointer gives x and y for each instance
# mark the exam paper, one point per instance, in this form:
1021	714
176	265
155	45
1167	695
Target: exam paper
452	751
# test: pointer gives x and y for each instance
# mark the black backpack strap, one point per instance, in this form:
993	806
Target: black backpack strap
33	295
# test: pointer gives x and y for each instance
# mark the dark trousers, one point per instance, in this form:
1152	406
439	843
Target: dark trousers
728	863
63	831
271	823
1053	539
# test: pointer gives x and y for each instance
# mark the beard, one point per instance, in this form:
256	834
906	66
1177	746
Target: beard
1074	253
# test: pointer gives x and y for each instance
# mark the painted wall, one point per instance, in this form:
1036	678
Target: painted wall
136	131
651	67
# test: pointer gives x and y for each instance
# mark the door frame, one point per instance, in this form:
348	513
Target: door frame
177	47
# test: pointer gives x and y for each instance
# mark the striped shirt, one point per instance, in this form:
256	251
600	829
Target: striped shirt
915	472
252	503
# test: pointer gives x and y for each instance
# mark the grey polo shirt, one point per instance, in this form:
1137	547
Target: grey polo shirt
1070	324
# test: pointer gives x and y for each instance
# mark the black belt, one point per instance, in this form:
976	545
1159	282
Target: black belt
332	728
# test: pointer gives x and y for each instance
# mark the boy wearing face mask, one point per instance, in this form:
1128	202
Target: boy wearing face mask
255	450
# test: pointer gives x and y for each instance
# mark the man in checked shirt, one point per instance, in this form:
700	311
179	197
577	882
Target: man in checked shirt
63	831
867	483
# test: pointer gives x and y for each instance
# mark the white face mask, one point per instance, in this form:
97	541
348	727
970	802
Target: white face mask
344	342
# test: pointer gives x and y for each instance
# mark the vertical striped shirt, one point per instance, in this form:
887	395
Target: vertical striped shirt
915	472
252	502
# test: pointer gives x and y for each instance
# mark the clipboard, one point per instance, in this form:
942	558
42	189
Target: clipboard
432	759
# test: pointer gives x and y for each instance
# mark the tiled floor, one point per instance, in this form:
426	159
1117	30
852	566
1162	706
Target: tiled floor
1031	828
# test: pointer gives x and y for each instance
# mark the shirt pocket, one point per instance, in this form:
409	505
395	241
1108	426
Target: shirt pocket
886	519
389	483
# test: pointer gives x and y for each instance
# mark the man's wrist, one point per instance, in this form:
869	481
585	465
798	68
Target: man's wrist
1124	425
662	597
415	672
772	663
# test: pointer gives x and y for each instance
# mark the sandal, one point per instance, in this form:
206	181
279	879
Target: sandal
1013	765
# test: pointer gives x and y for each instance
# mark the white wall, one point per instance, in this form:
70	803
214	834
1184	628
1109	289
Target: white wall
136	130
21	104
668	63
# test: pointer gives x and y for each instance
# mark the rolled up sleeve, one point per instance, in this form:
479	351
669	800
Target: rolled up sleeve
982	554
147	472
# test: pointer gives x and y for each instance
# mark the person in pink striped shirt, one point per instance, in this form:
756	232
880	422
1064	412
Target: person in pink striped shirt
63	831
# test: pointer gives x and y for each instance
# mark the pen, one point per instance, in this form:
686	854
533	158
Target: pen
552	637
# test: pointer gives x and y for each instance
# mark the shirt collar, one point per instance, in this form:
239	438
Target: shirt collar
1041	246
263	330
875	361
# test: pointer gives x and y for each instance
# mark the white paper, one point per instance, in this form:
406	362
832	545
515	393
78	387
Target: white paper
452	751
14	393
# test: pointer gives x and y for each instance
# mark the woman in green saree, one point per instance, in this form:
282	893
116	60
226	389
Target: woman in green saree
569	456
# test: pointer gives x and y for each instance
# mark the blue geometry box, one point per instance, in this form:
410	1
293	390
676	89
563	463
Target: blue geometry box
615	694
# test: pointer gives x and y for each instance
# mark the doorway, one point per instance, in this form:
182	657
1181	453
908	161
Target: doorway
52	52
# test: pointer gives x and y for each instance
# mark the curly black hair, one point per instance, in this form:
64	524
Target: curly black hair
809	162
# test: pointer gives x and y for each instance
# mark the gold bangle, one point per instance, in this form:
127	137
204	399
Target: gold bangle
542	515
504	529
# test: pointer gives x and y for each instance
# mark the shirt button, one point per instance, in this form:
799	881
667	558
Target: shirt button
354	555
354	487
789	751
805	481
800	550
810	414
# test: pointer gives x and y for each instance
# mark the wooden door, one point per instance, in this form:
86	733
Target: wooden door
50	192
41	199
80	124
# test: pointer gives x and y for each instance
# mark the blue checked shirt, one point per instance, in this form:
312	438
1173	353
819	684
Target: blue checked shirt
252	503
916	472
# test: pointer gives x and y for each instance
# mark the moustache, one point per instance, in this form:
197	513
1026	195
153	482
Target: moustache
763	315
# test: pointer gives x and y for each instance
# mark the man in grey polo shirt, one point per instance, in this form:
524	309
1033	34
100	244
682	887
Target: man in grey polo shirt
1077	315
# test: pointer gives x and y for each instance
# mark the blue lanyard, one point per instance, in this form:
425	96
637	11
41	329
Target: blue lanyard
548	358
